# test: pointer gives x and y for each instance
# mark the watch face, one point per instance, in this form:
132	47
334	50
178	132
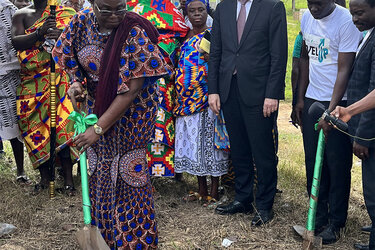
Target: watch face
98	130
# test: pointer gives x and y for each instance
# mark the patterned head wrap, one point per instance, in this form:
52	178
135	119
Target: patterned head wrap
205	2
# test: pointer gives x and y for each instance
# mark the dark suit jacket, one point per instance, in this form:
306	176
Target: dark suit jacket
260	58
361	82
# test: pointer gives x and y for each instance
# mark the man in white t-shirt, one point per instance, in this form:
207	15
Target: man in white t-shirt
330	42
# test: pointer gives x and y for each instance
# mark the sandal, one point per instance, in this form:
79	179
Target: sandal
23	180
38	188
192	196
209	202
67	190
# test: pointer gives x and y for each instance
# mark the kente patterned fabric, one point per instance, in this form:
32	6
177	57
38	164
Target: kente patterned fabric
33	96
221	133
160	153
171	26
9	74
163	14
120	187
191	79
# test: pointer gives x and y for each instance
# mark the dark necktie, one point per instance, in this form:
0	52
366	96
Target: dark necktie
241	21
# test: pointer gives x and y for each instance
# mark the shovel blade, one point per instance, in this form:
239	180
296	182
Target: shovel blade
299	230
89	238
310	241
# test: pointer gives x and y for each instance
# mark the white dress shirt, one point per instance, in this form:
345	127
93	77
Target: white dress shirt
364	40
247	6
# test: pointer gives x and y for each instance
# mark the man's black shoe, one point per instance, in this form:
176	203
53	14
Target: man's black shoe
262	217
330	234
233	208
366	229
319	229
361	246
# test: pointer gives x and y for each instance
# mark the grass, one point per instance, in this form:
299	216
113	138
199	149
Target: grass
51	224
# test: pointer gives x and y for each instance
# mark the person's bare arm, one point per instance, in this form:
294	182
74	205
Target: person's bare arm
365	104
294	80
345	62
115	111
22	41
303	83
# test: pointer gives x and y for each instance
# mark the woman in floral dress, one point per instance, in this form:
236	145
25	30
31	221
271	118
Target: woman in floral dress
116	52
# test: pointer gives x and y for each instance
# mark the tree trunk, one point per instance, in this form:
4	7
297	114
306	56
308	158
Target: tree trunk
294	5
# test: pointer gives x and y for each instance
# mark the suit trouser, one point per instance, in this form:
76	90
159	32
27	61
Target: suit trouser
251	141
368	180
335	181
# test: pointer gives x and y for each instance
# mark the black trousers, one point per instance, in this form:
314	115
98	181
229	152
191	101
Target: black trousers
335	181
368	180
251	141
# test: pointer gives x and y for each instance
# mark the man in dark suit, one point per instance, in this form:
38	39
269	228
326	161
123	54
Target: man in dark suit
361	82
248	57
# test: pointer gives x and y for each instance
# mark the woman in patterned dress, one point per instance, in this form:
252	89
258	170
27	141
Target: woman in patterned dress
195	152
116	52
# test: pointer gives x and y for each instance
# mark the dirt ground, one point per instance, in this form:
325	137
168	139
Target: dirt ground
51	224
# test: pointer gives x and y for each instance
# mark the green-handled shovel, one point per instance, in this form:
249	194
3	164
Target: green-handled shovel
89	238
309	239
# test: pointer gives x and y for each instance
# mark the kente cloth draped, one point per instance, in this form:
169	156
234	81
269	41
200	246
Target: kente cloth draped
120	187
163	14
191	80
160	153
9	74
33	97
171	26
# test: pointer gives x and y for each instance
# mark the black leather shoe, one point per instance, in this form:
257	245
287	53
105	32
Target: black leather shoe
361	246
330	234
262	217
233	208
319	229
366	229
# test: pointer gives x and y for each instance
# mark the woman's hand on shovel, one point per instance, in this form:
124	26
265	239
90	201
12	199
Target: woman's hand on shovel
77	92
85	140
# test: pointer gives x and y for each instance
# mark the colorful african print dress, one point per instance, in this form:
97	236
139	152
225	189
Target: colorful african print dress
171	26
33	97
195	151
120	187
9	74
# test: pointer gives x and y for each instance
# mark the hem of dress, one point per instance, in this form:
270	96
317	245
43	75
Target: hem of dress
189	171
9	133
195	174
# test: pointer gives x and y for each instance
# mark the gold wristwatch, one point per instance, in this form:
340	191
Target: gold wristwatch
98	130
